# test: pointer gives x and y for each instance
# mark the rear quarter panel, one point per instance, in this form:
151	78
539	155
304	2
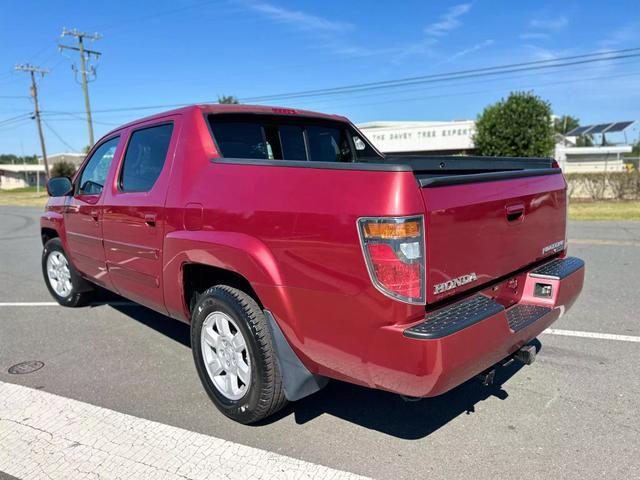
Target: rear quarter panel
292	233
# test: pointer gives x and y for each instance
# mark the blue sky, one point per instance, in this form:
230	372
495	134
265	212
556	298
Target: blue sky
185	51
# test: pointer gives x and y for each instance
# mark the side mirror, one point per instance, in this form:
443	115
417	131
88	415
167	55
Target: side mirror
59	186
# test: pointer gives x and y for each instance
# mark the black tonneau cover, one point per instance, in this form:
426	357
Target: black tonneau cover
435	171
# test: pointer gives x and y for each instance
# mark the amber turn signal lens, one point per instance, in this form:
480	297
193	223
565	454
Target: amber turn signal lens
391	230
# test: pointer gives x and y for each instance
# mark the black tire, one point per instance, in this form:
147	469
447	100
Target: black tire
81	290
265	392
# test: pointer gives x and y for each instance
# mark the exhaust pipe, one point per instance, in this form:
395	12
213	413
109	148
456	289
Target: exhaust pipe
526	354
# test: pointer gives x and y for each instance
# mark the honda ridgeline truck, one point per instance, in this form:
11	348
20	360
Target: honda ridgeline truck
298	253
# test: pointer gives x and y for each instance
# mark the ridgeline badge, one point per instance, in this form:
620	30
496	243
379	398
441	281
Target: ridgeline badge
554	247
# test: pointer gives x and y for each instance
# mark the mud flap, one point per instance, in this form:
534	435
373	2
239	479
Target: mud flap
298	381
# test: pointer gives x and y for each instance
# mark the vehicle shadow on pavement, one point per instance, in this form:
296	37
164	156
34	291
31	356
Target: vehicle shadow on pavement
391	414
178	331
374	409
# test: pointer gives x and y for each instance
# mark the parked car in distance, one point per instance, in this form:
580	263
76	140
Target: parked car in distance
298	253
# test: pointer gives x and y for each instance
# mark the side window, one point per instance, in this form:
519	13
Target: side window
145	157
240	139
95	172
328	144
292	140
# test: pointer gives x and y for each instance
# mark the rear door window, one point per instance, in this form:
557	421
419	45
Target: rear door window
328	145
241	140
145	157
278	137
292	141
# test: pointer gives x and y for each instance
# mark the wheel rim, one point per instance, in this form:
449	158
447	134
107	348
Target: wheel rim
226	355
59	274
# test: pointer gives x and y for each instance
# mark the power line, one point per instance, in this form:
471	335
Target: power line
457	75
58	136
422	88
534	66
75	116
16	118
32	71
477	92
85	56
11	126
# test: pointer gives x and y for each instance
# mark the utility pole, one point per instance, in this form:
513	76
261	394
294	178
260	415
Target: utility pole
34	93
85	56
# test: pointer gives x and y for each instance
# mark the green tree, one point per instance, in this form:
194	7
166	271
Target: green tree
63	169
16	159
228	99
565	124
519	126
584	141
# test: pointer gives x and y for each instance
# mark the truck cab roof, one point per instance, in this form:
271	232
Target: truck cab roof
232	108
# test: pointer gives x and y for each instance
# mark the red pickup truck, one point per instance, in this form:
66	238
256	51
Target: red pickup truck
298	253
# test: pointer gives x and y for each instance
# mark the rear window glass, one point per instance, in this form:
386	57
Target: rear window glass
292	141
241	140
274	137
328	145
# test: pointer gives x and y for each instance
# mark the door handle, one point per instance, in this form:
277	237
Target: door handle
95	214
73	208
150	219
514	212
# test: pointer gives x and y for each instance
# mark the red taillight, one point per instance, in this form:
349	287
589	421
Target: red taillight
394	252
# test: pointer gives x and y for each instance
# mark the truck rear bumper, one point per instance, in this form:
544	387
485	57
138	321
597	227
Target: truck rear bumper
455	343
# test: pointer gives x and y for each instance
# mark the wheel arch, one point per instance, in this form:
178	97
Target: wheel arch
198	277
196	260
47	233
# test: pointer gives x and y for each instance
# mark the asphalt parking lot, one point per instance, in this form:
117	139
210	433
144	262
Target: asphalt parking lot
572	414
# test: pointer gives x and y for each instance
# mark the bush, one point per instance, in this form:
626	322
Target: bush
595	185
519	126
63	169
599	186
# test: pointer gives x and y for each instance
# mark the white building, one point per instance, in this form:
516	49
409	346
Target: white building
21	176
29	175
70	157
415	138
595	159
456	137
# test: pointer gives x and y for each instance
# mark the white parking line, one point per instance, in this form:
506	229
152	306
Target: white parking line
550	331
56	304
28	304
599	336
47	436
600	241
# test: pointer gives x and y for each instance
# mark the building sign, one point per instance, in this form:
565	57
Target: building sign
435	136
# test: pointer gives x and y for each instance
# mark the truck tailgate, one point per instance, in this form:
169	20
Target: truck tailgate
478	232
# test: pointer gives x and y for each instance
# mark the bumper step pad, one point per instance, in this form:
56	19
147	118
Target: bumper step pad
558	269
520	316
454	317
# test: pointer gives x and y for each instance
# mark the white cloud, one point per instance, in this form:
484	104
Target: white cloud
474	48
297	18
552	24
538	53
449	21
